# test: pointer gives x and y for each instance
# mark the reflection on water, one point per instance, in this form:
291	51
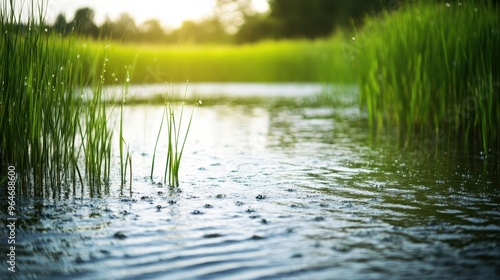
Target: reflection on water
204	90
288	193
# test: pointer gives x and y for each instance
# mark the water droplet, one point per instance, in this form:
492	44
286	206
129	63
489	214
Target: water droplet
460	4
78	56
46	30
128	79
353	38
448	5
199	102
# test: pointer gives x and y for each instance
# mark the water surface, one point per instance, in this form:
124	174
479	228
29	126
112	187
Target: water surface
273	193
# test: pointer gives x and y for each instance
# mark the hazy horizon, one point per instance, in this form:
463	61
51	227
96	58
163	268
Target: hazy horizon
170	13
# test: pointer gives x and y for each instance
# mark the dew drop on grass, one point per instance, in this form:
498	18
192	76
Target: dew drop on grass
353	38
46	30
78	56
448	5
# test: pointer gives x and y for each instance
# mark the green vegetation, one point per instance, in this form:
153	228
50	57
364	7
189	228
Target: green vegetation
47	129
232	21
270	61
176	140
125	159
432	68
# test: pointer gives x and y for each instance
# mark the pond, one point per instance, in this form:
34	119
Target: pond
273	192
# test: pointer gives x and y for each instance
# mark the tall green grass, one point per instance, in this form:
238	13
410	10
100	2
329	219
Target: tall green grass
175	139
433	69
49	132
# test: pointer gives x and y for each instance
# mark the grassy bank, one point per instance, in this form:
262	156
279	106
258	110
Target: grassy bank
276	61
432	69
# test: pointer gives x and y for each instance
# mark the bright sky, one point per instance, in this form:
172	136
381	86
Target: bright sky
171	13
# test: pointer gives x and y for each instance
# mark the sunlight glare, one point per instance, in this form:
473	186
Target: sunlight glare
170	13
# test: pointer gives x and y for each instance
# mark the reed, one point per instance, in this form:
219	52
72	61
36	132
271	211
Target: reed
176	139
48	131
125	158
431	69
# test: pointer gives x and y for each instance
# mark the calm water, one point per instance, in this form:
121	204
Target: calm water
273	193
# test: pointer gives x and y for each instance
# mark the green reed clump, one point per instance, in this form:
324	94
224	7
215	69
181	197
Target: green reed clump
176	140
432	69
96	135
47	128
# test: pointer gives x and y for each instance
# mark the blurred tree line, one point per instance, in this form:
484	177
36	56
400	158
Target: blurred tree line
233	21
